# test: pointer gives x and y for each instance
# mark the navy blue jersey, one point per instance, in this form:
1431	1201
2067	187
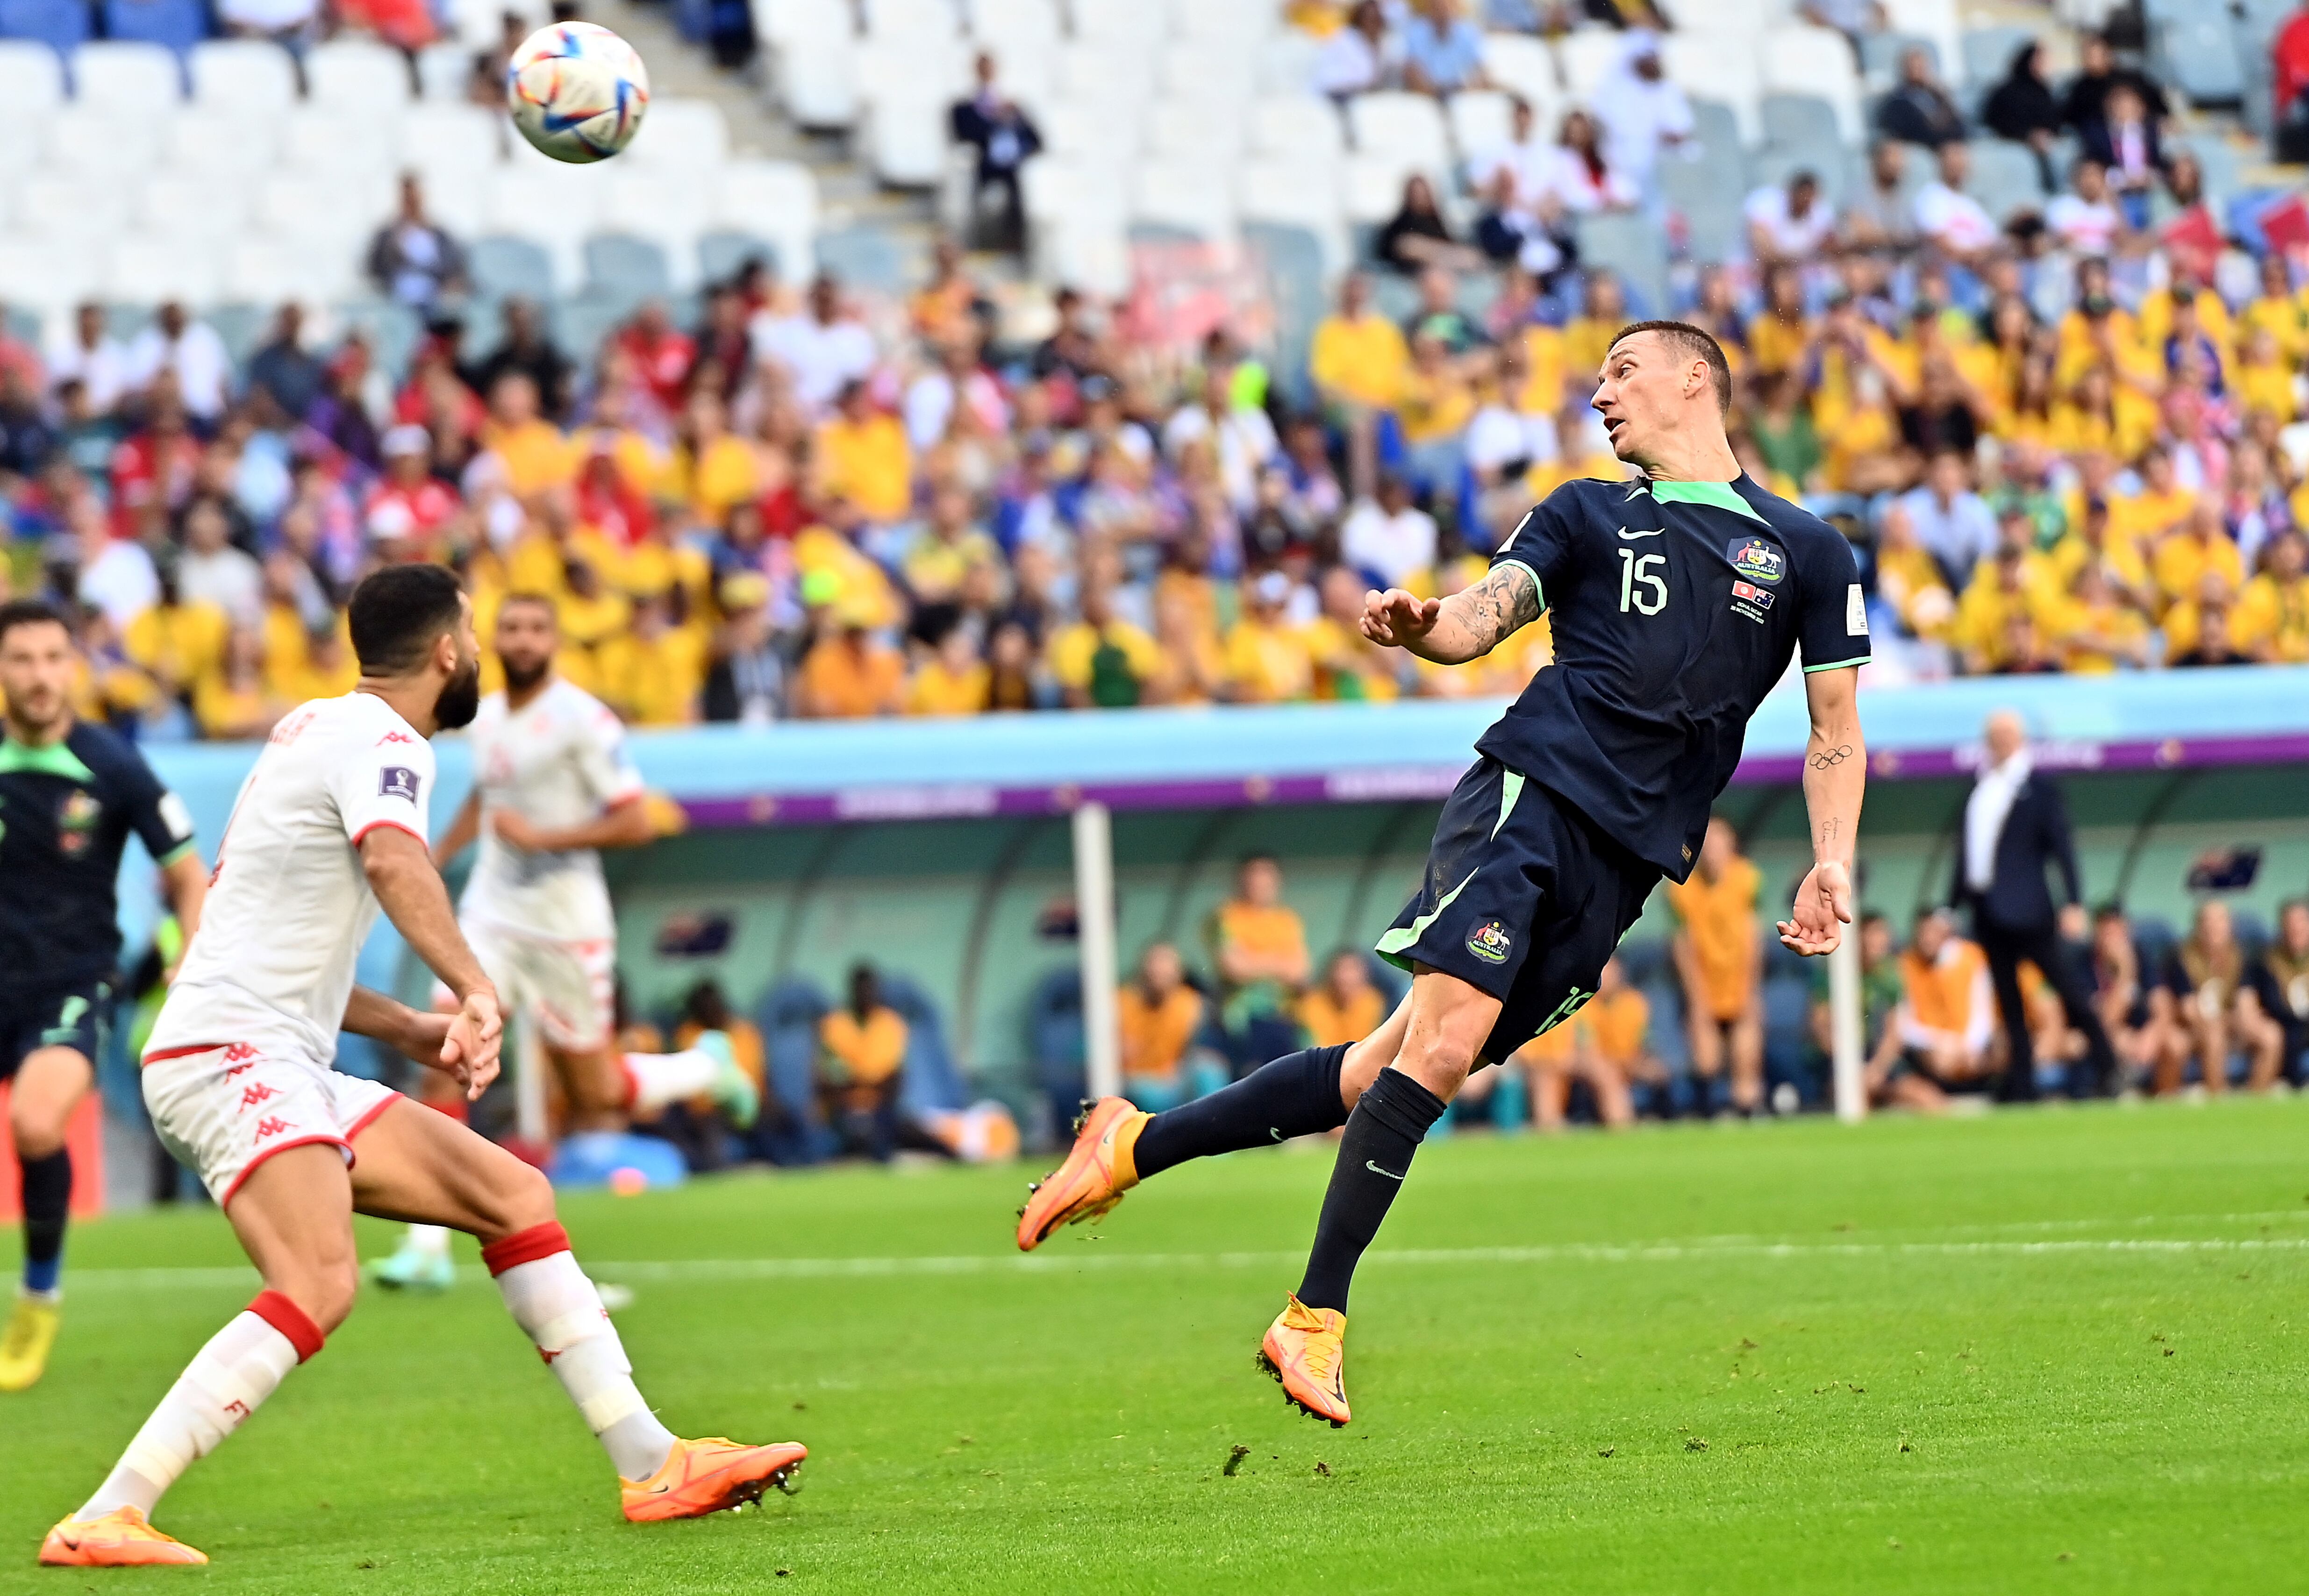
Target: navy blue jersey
1675	607
66	809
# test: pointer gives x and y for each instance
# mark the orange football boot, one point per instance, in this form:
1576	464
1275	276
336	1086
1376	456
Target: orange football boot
1304	1349
1093	1180
702	1477
122	1539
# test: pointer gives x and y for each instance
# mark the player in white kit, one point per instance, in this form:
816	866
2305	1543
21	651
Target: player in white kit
551	786
331	824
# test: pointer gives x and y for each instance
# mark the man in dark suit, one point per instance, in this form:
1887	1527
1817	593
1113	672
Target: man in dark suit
2016	825
1005	138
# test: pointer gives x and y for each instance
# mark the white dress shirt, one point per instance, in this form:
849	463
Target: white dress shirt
1984	813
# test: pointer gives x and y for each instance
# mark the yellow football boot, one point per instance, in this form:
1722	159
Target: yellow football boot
1304	1349
24	1345
121	1539
702	1477
1096	1173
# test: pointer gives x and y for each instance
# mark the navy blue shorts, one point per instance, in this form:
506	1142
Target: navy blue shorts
73	1014
1523	899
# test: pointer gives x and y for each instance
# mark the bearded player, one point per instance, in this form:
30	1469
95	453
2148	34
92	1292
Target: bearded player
552	786
71	794
1677	602
329	826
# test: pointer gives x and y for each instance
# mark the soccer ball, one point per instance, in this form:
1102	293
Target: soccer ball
577	91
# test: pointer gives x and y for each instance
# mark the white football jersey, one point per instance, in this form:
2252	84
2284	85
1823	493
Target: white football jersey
289	905
558	761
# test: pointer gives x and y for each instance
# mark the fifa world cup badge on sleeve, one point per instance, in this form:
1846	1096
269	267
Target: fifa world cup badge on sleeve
397	780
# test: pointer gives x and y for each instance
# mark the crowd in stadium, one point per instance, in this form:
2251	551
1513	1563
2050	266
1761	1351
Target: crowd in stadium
2055	443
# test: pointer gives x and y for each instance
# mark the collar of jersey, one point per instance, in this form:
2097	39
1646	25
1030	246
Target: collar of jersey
1718	493
46	759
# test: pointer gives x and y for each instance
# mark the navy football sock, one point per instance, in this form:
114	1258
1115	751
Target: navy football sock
1384	1131
47	1197
1296	1095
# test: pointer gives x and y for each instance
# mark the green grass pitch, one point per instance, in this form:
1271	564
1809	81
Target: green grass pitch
2053	1351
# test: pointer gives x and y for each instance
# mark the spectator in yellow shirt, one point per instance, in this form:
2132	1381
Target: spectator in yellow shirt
953	680
2271	619
713	469
861	454
2264	377
655	672
2162	503
1587	336
232	702
179	644
1159	1015
2088	542
847	675
1267	662
861	1060
2001	620
1909	579
1346	1005
2098	629
1349	668
1259	946
2280	310
1358	357
532	452
1607	1051
1719	958
1102	661
2199	548
947	550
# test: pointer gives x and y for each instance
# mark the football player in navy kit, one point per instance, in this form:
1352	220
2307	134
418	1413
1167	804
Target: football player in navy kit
1677	600
70	795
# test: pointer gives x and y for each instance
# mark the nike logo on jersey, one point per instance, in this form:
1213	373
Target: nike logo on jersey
1375	1170
1275	1132
1631	537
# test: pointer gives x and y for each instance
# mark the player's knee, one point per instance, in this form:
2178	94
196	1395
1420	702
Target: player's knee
523	1198
325	1287
36	1124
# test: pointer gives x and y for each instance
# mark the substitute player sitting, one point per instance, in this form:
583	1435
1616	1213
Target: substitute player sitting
1676	602
329	825
552	786
71	794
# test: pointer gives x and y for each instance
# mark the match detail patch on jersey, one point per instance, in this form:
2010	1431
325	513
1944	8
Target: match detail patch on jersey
1750	601
177	819
1756	559
1855	612
1490	943
397	780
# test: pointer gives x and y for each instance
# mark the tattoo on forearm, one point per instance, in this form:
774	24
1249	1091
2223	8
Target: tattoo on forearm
1504	601
1829	758
1829	830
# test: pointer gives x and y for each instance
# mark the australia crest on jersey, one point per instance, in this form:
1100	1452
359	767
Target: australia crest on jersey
1490	943
1756	559
76	820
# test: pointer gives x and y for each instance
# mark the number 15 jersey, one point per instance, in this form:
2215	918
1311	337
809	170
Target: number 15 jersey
1675	607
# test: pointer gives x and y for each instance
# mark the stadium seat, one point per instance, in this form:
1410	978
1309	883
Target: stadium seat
1773	166
62	25
32	82
1190	195
817	81
437	138
1716	128
46	274
336	138
1988	52
244	78
152	268
59	205
685	132
174	25
1286	63
1059	186
1374	187
865	257
1054	1042
193	206
1287	193
779	22
445	71
775	200
2004	177
1083	130
1630	246
88	141
1710	207
358	72
1228	23
1089	249
671	211
1808	60
133	81
506	268
1137	24
1802	122
1003	26
334	214
210	144
1480	121
1523	64
911	19
1193	70
1721	67
1301	126
787	1016
1586	59
721	253
1195	130
2195	50
1101	71
551	205
1937	23
628	270
1406	130
906	139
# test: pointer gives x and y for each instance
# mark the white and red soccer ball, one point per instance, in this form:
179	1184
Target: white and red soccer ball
577	92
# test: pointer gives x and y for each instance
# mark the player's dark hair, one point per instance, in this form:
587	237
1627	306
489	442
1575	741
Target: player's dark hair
31	612
397	612
1694	343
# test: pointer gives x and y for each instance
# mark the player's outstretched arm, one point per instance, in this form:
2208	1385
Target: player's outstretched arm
462	829
623	825
1836	769
1468	625
401	873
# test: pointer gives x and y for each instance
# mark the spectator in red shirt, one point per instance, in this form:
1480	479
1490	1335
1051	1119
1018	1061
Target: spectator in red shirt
2290	57
156	466
662	354
409	504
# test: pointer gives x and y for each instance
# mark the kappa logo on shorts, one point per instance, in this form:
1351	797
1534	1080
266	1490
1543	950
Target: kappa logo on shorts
397	780
1490	943
1756	559
254	1093
271	1126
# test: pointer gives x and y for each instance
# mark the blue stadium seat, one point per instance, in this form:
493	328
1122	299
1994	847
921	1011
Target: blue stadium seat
2195	50
931	1080
60	24
864	257
176	25
506	268
1294	268
1054	1042
1632	247
2004	177
791	1132
1789	1056
1988	52
1802	122
1775	164
720	255
1697	191
625	271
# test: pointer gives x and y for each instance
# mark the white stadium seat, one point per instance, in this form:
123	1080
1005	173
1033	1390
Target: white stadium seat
1480	121
551	205
90	141
1297	193
911	19
911	68
445	72
1304	128
270	272
1086	128
358	72
1193	69
148	268
1374	186
1057	187
1005	25
131	81
457	197
1286	63
1936	20
1090	251
672	216
31	81
1201	132
817	80
1137	23
47	274
1721	67
437	138
1585	59
1105	73
336	138
195	205
1816	61
906	139
204	142
70	207
245	78
1240	24
776	200
336	212
690	133
1192	196
1523	64
1406	129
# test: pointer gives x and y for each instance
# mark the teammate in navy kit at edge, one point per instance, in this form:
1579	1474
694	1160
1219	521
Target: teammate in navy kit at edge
1677	602
70	795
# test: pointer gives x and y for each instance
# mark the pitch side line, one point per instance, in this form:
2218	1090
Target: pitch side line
1070	1259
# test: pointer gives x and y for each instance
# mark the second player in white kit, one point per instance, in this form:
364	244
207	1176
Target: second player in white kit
552	786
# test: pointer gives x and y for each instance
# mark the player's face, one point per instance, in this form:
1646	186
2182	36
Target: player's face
36	666
460	698
527	634
1641	396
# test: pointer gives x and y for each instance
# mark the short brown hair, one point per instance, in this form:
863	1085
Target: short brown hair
1695	343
